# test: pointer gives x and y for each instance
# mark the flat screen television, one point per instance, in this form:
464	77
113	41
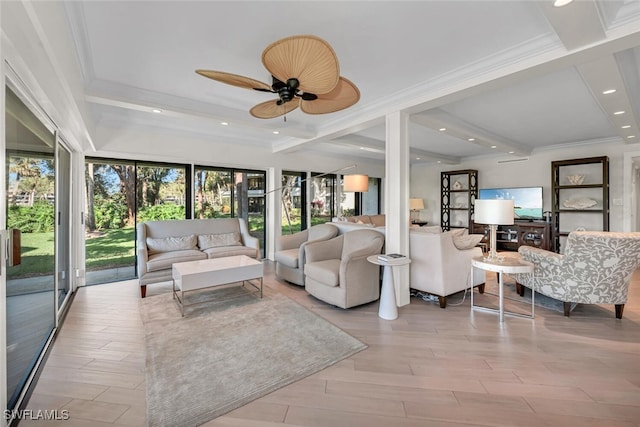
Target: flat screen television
527	201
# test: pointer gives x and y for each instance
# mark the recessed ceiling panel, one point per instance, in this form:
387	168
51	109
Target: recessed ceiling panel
553	109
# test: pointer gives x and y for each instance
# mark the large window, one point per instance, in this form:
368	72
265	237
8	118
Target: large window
294	206
232	193
323	198
118	195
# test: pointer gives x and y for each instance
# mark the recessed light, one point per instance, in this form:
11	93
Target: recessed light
471	139
417	158
155	110
608	91
617	113
224	123
443	129
275	132
560	3
511	152
493	146
439	161
631	136
626	126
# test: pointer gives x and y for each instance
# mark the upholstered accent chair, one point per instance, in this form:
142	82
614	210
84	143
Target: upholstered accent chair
441	268
337	270
289	253
596	268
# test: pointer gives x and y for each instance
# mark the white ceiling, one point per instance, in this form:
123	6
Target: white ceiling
516	76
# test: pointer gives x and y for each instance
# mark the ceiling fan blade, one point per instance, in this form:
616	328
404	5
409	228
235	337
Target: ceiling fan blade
307	58
235	80
270	109
344	95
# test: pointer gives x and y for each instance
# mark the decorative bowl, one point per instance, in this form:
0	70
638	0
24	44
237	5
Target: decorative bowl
575	179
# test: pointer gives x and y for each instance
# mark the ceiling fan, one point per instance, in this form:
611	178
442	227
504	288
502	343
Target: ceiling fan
305	74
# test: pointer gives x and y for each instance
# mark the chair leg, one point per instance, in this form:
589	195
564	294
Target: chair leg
443	302
567	308
481	288
619	310
143	291
520	289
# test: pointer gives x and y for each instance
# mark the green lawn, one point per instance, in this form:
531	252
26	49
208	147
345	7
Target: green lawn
104	249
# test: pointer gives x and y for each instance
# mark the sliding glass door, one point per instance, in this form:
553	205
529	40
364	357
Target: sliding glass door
120	194
31	223
231	193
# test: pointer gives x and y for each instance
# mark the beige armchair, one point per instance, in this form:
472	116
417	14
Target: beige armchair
289	254
439	267
337	270
596	268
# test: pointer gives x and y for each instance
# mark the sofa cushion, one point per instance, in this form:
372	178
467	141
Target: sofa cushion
206	241
163	260
223	251
467	241
170	244
326	272
288	257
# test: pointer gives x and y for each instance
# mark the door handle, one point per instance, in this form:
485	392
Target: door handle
14	247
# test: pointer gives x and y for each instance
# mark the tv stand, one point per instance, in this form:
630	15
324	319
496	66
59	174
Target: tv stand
522	233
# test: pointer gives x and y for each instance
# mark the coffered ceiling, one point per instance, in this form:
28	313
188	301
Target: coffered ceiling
476	77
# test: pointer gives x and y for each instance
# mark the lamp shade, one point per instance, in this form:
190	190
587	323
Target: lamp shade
416	204
496	212
356	183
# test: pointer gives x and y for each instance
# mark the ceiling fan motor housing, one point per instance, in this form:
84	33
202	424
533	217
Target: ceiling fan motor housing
286	91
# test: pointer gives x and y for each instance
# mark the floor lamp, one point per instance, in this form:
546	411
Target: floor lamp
493	213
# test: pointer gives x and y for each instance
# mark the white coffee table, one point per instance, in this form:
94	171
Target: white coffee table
209	273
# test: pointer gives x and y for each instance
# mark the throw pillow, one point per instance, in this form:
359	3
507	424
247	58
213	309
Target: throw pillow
467	241
458	231
434	229
206	241
169	244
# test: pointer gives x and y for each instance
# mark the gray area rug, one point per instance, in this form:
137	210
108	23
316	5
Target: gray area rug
229	351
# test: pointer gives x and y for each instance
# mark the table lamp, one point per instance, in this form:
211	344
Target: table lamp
415	205
493	212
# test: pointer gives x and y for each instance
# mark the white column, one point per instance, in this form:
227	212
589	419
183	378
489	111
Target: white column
274	211
396	190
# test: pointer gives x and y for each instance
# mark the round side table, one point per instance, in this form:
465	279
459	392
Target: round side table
388	307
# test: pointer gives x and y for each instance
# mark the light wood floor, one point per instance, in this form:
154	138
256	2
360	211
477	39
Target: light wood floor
430	367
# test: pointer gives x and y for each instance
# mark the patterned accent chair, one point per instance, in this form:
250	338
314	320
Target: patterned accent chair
596	268
289	253
337	270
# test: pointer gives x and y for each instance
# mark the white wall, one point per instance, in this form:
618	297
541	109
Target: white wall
535	171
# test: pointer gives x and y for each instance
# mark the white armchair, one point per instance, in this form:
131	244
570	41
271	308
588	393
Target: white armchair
337	270
289	253
439	268
596	268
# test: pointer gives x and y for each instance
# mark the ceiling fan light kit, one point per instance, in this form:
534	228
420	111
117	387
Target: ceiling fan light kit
305	73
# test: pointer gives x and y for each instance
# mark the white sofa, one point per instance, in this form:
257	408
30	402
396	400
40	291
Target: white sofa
438	267
163	243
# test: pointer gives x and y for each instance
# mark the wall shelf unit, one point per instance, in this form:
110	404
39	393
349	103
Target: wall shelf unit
457	199
579	197
522	233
